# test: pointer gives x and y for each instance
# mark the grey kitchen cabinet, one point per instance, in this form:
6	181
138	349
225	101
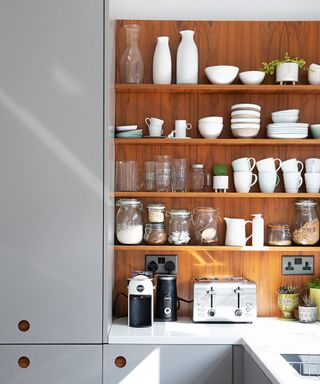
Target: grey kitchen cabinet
51	167
167	364
54	364
252	373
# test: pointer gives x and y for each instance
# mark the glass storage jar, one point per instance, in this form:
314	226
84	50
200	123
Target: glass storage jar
156	213
129	223
306	226
198	176
179	226
205	221
155	234
279	234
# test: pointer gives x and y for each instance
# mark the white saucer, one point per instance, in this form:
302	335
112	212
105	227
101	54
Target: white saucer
122	128
154	137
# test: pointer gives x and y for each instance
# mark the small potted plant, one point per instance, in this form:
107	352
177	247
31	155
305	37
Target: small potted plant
220	178
287	68
288	300
314	289
308	310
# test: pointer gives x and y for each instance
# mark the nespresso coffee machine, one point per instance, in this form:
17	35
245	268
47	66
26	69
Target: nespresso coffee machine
140	302
166	298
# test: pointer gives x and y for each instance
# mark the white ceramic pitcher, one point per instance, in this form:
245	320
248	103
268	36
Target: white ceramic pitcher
236	232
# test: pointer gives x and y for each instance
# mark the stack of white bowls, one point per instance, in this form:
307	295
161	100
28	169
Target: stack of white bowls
245	120
210	127
285	125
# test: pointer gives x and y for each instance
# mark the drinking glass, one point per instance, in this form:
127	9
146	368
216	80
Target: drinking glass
179	176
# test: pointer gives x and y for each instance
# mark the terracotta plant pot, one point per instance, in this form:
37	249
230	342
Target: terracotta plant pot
315	297
308	314
288	303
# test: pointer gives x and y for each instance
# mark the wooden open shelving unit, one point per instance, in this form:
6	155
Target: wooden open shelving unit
246	45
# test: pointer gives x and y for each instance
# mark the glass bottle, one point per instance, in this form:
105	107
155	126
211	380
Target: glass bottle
131	64
205	221
198	177
129	222
306	227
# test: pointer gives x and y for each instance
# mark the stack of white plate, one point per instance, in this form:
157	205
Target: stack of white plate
128	131
245	120
287	130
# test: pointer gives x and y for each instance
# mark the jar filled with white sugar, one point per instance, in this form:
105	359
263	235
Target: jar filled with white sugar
156	213
129	222
179	226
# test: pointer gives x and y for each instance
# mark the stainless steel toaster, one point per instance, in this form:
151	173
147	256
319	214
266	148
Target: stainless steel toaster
227	299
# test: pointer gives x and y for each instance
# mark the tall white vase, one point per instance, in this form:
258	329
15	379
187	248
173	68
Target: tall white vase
187	59
162	70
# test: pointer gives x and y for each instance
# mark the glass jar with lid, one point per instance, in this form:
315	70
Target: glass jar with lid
156	212
155	234
198	176
205	221
179	226
279	234
129	222
306	226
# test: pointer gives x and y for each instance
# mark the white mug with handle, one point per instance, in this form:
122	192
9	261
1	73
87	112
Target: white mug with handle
243	181
180	128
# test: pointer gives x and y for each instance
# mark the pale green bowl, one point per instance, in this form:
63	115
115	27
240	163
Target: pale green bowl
315	130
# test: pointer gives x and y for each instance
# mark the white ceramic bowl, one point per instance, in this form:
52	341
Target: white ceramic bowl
287	111
315	130
211	119
245	120
245	132
248	106
210	130
221	74
252	77
245	125
285	118
245	113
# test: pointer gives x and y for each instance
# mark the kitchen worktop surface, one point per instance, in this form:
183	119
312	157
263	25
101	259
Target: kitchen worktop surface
265	340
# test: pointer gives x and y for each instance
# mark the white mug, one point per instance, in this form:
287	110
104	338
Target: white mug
153	121
312	181
292	165
180	128
268	165
155	130
292	181
312	165
268	181
243	164
243	181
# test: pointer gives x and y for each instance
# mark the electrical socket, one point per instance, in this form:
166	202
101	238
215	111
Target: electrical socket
297	265
158	262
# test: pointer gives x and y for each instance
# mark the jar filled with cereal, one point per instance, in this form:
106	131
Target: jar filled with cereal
306	227
156	212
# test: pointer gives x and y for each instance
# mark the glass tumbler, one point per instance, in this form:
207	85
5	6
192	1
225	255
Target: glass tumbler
179	175
127	176
163	170
149	176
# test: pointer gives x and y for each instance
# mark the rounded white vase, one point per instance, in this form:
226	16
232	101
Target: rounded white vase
162	68
187	59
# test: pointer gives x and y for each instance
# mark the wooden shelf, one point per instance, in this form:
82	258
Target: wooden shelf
214	248
213	88
214	195
210	142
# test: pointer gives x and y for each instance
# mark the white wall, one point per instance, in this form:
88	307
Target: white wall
216	9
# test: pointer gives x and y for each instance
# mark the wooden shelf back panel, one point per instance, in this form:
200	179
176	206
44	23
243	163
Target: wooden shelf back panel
245	44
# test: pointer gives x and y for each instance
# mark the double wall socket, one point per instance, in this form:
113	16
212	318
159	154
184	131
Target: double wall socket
297	265
164	264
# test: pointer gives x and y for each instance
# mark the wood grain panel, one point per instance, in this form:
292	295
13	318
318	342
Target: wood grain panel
247	45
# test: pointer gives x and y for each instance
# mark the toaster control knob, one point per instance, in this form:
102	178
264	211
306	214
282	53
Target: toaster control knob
211	312
238	312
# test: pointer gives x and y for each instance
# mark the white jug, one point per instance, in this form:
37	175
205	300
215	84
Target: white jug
236	232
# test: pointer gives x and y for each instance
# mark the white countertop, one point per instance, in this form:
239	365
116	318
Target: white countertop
265	340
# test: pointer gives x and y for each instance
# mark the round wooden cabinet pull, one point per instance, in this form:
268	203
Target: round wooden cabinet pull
24	325
120	361
24	362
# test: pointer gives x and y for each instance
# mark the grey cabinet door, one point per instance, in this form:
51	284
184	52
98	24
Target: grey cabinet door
168	364
253	374
54	364
51	170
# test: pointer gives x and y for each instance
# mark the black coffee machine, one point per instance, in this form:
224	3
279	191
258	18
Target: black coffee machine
166	298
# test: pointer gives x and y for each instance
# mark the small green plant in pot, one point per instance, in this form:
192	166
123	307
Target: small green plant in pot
314	287
287	68
288	300
308	310
220	178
